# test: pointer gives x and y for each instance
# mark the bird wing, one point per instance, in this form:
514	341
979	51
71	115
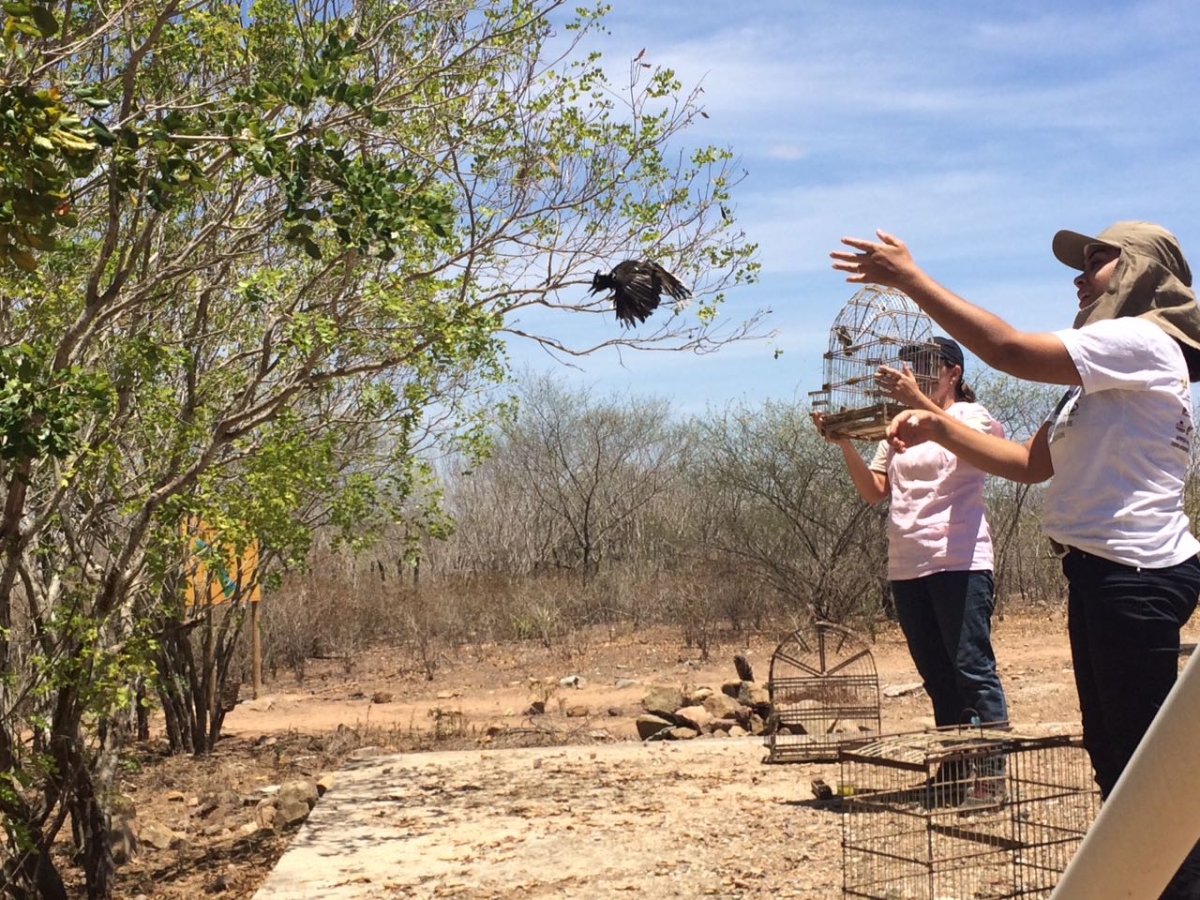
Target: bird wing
638	286
635	295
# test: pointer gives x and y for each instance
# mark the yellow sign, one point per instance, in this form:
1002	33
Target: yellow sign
210	580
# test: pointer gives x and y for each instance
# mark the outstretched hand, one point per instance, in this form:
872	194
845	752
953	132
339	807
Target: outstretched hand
885	262
913	427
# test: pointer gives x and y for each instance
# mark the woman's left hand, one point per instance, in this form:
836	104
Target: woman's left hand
899	385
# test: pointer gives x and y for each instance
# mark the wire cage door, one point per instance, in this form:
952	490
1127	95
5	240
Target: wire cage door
878	326
824	694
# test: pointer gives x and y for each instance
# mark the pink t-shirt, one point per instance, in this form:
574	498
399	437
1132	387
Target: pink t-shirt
937	521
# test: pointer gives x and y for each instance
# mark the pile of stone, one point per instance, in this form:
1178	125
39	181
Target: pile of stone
676	714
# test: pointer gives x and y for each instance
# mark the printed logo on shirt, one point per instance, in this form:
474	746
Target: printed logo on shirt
1064	414
1183	430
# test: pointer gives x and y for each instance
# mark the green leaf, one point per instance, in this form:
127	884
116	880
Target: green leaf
46	22
102	135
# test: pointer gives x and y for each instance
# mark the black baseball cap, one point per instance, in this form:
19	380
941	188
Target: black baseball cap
946	350
950	352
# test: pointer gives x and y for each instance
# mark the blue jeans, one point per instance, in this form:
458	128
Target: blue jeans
947	621
1124	627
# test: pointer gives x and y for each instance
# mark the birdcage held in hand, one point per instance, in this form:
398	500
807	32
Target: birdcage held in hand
878	326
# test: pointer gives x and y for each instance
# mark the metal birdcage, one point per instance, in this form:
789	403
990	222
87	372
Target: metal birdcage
879	326
824	695
975	814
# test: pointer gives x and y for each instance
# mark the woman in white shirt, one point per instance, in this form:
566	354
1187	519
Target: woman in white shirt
1117	447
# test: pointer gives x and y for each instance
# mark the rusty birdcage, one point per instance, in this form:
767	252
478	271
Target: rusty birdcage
879	326
824	694
979	813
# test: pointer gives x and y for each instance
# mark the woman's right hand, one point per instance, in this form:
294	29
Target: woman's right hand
900	385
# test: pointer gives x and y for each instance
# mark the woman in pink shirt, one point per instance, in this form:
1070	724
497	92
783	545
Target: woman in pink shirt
939	544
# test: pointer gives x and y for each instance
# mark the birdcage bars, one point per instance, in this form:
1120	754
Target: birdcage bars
952	815
878	326
824	694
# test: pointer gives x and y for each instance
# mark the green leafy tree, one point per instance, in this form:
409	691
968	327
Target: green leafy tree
253	259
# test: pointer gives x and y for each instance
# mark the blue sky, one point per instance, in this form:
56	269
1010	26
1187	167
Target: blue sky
971	131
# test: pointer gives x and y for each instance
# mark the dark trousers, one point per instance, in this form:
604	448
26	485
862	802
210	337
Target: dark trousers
1124	627
947	621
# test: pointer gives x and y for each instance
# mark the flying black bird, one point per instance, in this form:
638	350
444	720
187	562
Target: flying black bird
637	287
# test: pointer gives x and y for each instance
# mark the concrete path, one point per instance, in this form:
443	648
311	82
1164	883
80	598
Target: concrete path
584	822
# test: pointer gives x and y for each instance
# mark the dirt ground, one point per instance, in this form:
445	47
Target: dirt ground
480	700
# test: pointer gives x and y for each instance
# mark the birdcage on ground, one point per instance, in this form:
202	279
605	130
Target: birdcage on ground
962	815
824	694
879	326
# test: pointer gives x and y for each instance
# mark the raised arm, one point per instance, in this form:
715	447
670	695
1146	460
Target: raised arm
1030	355
872	486
1028	463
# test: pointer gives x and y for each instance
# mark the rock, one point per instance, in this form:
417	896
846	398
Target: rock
248	829
721	706
696	717
292	811
302	790
649	725
536	708
157	836
901	690
215	804
697	696
661	700
381	697
577	711
266	815
747	693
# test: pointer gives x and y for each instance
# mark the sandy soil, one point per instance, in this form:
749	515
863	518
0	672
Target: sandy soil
711	821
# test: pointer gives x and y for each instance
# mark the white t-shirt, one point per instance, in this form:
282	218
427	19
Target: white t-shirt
1120	446
936	521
